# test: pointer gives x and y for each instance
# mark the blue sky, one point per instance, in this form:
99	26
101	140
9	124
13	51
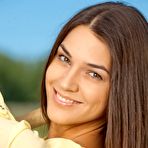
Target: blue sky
28	28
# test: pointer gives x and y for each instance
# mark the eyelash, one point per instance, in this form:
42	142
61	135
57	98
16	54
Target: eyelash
97	76
65	60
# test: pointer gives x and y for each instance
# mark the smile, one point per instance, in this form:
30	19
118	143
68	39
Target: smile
65	101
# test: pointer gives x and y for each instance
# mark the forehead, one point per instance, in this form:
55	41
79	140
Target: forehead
82	43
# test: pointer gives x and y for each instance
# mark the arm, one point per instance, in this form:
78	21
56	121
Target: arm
34	117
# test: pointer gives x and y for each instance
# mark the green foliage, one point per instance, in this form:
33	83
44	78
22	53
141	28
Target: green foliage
20	81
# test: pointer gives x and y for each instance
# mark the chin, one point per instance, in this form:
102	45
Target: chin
60	120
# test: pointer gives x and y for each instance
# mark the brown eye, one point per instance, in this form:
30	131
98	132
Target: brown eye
95	75
64	59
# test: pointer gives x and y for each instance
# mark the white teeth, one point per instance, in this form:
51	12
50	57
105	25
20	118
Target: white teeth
66	101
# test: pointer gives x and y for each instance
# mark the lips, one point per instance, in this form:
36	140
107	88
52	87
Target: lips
65	100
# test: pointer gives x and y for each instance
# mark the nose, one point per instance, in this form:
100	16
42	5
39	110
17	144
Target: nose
69	80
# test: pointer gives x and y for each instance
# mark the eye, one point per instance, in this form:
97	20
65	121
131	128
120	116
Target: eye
95	75
64	59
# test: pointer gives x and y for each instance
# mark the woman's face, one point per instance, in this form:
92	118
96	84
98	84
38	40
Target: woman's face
78	79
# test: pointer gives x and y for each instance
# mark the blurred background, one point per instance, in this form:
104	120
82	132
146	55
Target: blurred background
28	29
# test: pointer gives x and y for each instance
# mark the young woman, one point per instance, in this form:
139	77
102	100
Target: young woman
94	88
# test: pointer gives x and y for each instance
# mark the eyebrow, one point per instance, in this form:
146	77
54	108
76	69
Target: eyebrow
99	67
65	50
89	64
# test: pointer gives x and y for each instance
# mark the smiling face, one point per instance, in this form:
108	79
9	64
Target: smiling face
78	79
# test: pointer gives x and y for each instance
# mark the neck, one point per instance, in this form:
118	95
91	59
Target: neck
90	134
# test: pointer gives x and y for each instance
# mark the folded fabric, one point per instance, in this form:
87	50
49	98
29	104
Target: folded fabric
14	134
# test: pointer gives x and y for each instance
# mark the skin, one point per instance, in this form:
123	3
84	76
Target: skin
34	117
77	91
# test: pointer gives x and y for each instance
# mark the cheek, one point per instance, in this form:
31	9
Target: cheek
97	98
96	92
54	71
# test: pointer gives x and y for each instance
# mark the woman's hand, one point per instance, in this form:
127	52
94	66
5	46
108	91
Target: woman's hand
34	117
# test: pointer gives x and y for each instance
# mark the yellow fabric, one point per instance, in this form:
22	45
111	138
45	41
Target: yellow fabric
4	111
14	134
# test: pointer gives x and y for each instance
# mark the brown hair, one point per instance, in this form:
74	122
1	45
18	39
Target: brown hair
125	30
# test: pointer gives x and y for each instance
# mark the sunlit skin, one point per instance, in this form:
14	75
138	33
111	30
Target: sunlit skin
77	86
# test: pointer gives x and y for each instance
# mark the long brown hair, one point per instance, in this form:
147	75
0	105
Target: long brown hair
125	31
